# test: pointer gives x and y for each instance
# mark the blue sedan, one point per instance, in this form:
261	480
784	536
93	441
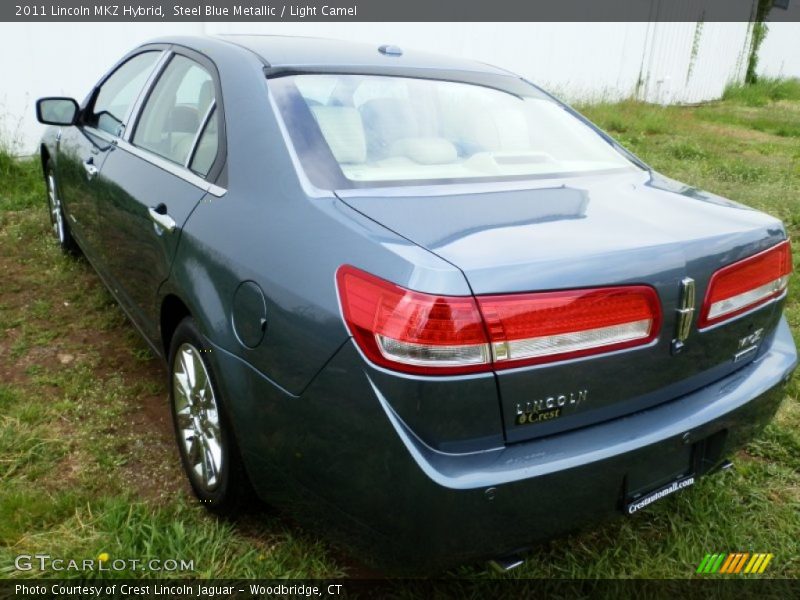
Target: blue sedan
413	300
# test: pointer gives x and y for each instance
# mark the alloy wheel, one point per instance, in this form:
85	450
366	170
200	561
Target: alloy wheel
56	215
197	416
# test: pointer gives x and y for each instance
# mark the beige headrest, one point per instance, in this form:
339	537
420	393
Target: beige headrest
343	131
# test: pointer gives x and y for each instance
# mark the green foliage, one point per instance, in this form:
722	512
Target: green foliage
630	115
22	184
687	150
764	91
698	33
759	33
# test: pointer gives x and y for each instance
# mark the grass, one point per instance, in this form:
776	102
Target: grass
764	91
87	464
21	183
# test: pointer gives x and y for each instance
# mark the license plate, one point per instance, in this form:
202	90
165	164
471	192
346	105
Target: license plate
647	499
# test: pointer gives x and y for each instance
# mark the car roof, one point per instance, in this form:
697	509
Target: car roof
286	52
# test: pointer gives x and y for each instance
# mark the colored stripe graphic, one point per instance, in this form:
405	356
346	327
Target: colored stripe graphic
730	564
757	558
700	569
741	562
765	563
727	564
734	563
715	566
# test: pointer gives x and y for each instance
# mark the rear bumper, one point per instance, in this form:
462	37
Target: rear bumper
340	455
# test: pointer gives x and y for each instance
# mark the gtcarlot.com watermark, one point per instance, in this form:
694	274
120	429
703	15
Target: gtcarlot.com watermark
103	563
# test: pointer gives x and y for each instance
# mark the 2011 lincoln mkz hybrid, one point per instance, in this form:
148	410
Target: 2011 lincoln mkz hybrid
415	300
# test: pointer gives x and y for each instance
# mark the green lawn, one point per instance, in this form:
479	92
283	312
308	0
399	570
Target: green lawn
87	463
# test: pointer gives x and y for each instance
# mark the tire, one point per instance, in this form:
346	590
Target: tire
208	449
58	220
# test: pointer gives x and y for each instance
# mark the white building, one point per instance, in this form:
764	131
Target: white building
664	62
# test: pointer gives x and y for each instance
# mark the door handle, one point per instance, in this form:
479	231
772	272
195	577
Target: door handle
91	170
159	216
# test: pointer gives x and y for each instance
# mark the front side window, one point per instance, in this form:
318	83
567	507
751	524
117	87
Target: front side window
118	93
378	130
176	110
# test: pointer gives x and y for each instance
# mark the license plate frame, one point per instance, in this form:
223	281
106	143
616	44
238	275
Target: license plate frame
645	499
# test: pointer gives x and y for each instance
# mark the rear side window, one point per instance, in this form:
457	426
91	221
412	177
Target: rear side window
206	150
118	93
180	105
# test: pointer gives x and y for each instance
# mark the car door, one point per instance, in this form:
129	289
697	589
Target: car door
158	173
83	149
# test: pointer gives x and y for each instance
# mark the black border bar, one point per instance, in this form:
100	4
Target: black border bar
266	11
734	587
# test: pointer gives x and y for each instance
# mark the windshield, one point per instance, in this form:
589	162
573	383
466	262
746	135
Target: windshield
368	130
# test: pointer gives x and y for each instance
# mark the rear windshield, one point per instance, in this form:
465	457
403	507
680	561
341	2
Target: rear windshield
369	131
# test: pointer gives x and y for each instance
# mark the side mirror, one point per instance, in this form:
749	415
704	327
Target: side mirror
57	111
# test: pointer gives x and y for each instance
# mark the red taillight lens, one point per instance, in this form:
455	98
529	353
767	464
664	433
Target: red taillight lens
549	326
411	331
422	333
746	284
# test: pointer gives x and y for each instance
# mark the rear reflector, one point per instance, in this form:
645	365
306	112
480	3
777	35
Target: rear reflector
746	284
429	334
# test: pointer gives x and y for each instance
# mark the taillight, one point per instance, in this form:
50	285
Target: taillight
429	334
411	331
549	326
746	284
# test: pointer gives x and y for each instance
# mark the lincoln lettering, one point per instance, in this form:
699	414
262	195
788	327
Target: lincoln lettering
55	11
550	402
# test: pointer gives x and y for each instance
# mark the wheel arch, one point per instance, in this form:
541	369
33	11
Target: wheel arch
173	311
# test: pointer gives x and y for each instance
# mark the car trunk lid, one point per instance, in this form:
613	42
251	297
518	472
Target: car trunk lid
610	230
